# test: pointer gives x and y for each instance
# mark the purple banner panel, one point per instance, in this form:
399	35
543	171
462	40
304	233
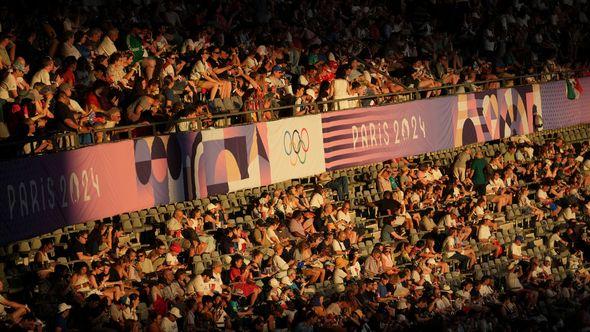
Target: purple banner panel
563	109
41	194
496	114
229	159
361	136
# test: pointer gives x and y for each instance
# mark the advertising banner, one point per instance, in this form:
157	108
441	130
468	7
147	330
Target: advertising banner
296	148
496	114
43	193
230	159
361	136
566	103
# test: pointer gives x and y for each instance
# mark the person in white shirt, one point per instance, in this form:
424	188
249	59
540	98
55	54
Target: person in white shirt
553	239
480	208
512	278
107	46
145	265
278	263
340	274
338	244
215	283
172	256
569	213
175	223
525	203
317	199
68	48
344	213
436	173
42	76
442	303
200	285
9	87
497	189
484	235
541	271
516	249
169	322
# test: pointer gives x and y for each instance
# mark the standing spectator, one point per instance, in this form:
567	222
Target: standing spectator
460	165
478	166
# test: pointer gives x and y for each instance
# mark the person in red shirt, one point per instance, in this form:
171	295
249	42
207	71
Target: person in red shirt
97	97
69	68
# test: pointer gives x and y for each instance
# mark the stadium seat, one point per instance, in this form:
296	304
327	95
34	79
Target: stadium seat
35	243
127	226
24	247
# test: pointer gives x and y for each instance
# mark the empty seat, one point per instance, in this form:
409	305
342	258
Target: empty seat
24	247
35	243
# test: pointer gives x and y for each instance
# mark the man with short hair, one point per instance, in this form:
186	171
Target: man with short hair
107	46
79	250
510	155
64	117
42	76
175	224
300	228
199	285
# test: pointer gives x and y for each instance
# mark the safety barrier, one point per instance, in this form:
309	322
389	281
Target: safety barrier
73	140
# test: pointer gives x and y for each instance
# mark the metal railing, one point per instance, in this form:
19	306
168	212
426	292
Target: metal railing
72	140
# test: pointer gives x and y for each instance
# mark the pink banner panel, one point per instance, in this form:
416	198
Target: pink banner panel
43	193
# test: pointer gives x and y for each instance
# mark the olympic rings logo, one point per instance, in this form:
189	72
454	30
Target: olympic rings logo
296	145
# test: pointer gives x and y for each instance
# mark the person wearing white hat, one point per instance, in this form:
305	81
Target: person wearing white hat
442	302
63	311
214	215
169	322
211	207
541	270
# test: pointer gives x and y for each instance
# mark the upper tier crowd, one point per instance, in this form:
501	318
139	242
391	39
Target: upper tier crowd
83	67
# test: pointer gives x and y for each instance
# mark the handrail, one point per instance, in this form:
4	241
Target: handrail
101	135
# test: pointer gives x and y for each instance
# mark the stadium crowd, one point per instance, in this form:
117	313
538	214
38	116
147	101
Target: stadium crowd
430	246
102	64
428	250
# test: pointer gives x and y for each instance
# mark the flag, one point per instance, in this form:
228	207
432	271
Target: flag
574	88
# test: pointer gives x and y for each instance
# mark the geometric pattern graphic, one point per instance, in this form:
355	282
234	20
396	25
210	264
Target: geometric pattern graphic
495	114
158	165
230	159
